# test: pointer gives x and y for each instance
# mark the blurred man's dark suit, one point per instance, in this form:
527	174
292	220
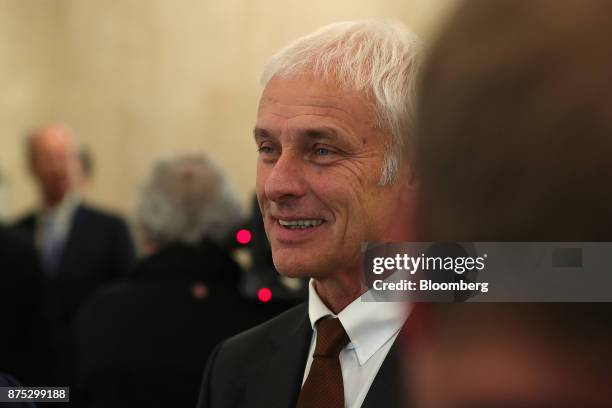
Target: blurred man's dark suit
24	329
264	366
145	342
98	249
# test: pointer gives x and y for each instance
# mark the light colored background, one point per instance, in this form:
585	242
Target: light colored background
143	79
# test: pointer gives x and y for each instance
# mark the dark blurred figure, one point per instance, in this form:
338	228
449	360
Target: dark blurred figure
8	381
80	247
146	342
515	145
24	335
476	355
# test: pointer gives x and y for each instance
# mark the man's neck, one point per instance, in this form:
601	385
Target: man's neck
64	208
56	205
338	294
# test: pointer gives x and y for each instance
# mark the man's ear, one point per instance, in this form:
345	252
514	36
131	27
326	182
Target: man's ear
405	215
408	183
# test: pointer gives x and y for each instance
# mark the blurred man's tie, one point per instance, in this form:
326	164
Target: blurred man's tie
51	247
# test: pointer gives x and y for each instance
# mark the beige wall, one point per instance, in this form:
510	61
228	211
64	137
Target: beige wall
140	79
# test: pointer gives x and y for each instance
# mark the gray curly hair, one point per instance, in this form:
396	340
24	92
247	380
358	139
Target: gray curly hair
185	200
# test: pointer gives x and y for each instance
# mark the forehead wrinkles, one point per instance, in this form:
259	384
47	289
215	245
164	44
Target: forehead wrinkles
317	105
340	110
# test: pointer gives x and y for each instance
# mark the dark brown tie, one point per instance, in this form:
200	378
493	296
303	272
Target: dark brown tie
323	386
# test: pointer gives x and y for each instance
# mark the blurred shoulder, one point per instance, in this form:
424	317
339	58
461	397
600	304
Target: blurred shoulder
92	212
26	222
102	221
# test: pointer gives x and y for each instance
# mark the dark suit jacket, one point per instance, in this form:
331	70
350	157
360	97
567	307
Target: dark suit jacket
24	330
145	342
263	367
98	249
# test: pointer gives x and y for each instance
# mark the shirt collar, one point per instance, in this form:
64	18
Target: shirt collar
57	220
368	324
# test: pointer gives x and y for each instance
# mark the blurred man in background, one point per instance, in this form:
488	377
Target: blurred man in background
80	247
145	342
514	144
332	120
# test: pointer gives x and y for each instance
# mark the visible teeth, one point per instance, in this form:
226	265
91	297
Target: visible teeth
300	223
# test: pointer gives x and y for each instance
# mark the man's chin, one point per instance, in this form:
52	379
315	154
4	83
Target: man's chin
296	267
291	270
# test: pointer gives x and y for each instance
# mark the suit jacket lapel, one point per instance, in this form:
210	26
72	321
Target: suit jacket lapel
386	390
277	384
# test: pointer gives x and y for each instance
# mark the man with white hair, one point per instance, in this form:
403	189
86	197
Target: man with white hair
333	120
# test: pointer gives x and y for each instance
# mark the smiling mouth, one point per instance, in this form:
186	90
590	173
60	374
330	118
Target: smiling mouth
301	224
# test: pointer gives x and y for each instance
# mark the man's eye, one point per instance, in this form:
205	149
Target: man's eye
322	151
265	149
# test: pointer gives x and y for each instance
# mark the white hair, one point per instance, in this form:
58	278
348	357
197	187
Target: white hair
185	200
377	58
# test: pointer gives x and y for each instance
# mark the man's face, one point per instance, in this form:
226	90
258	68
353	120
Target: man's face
320	162
53	163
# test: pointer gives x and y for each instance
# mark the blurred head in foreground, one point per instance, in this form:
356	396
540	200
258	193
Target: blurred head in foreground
52	154
332	120
515	125
184	201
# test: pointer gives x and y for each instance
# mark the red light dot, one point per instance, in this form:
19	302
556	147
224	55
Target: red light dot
199	291
264	294
243	236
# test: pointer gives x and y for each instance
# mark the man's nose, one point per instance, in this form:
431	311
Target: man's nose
286	180
58	167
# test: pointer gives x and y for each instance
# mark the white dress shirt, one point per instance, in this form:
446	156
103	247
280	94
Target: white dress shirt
372	328
56	221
